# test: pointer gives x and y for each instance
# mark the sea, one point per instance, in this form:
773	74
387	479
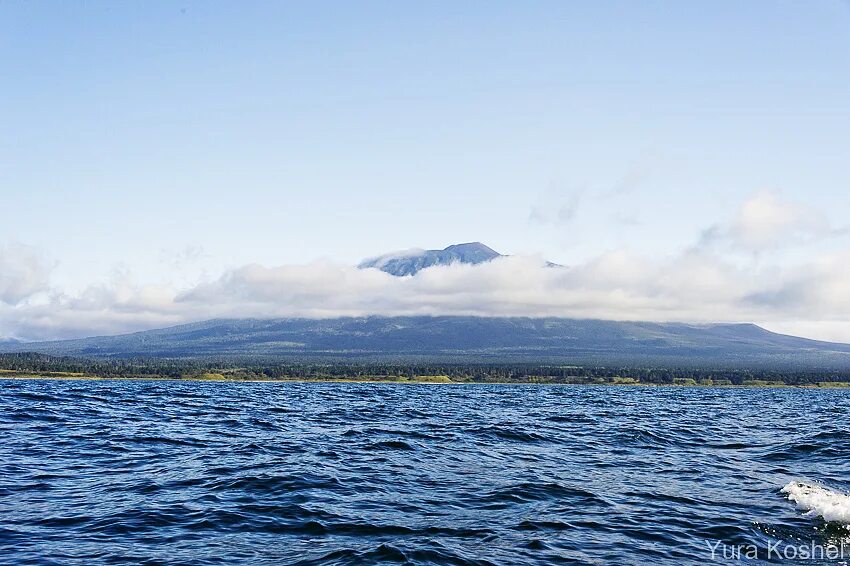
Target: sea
197	473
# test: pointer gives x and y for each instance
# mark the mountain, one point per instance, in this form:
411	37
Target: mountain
410	262
466	339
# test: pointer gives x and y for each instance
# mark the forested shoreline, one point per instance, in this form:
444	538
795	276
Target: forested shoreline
22	365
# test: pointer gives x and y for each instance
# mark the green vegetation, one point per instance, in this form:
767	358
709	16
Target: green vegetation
30	365
763	383
833	384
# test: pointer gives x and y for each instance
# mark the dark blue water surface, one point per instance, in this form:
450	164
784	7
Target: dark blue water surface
136	472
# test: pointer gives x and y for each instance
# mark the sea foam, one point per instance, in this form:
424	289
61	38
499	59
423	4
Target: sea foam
818	501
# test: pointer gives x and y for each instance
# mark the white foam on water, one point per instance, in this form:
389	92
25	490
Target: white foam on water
819	501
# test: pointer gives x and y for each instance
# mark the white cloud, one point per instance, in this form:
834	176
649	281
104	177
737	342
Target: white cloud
382	260
693	286
810	297
766	221
23	273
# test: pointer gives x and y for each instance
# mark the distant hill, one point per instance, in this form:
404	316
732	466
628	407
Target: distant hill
465	339
410	262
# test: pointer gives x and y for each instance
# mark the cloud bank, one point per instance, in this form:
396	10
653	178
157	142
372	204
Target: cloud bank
700	284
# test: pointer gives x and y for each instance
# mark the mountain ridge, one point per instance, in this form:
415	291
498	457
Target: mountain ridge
464	338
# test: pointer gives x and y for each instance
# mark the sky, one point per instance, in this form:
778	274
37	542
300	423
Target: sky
162	162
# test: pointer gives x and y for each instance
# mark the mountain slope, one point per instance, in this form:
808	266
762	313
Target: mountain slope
410	262
466	339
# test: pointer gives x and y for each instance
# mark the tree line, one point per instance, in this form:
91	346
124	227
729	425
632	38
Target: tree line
259	368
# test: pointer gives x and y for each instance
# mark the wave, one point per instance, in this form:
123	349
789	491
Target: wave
819	501
336	474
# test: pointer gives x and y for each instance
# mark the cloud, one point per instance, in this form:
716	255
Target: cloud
117	306
23	273
695	286
820	289
766	221
382	260
560	207
704	283
556	209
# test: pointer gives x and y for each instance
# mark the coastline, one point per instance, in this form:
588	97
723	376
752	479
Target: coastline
48	377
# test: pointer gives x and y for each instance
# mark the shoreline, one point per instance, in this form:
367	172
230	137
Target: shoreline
37	377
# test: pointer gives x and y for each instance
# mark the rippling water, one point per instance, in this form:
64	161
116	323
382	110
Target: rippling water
120	472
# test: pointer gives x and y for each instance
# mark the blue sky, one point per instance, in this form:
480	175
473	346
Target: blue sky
172	142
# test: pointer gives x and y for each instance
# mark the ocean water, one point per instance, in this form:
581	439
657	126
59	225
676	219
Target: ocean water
136	472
